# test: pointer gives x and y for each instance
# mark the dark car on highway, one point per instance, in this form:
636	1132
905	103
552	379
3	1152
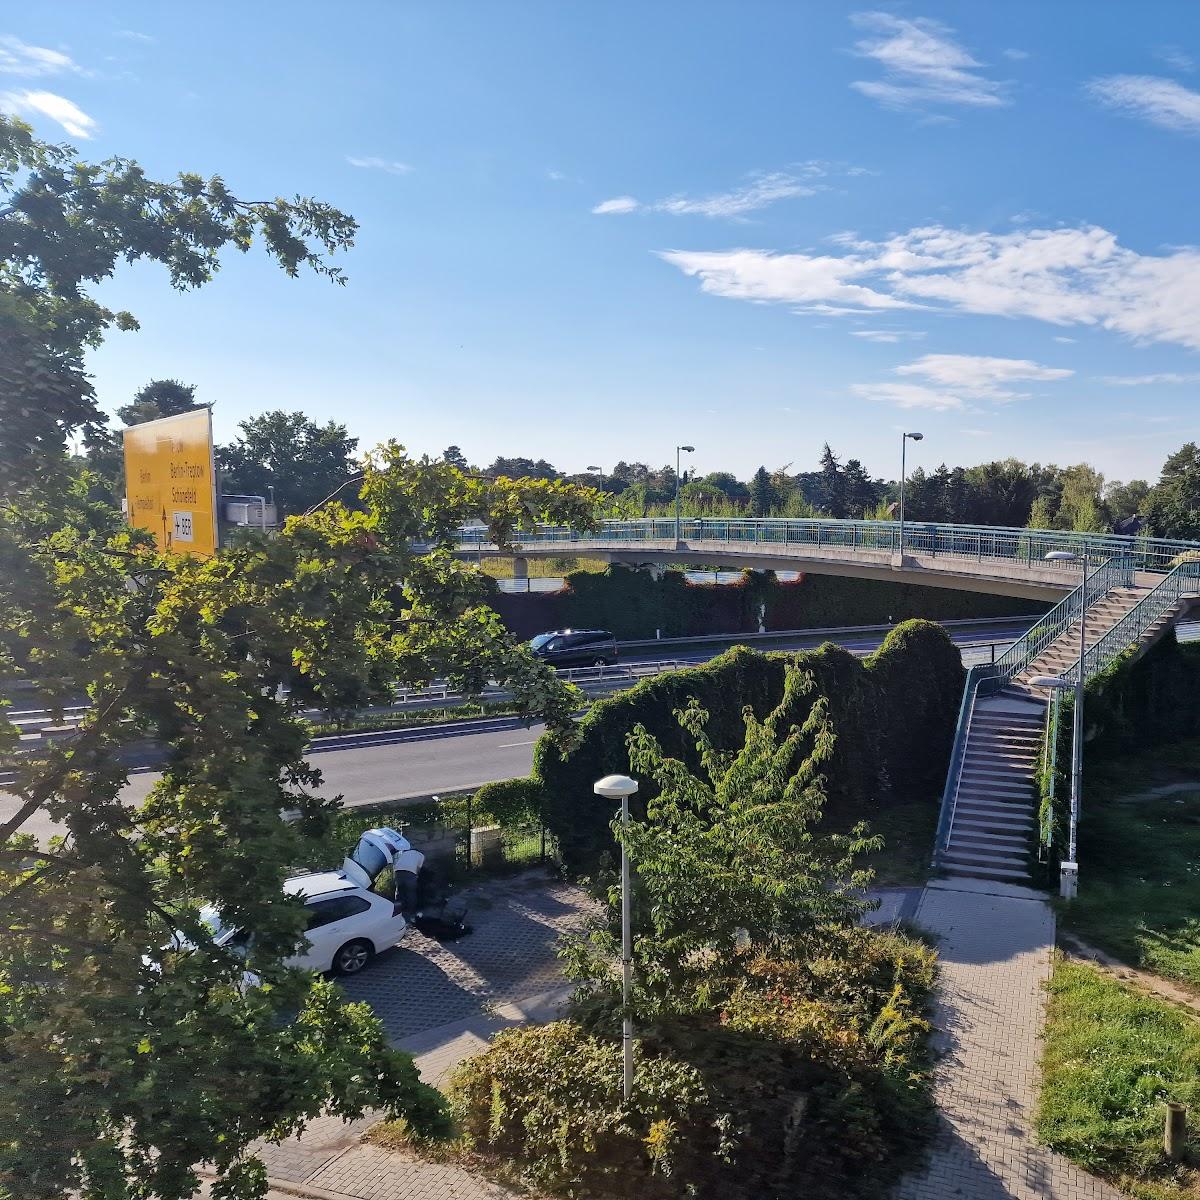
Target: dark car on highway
576	648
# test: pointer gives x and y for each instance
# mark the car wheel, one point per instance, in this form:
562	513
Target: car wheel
352	957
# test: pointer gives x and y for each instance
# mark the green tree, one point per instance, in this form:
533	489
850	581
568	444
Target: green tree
1125	500
456	458
1173	506
159	398
1081	506
304	462
522	468
728	483
126	1056
860	492
1040	515
762	494
728	857
65	224
831	495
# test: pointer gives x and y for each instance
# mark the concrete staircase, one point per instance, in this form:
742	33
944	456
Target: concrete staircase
994	825
995	812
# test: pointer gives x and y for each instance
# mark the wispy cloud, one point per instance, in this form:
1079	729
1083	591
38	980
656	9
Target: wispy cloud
922	65
1066	341
953	381
372	162
889	336
1175	58
1080	276
618	204
1017	56
20	58
1160	101
1150	380
57	108
761	189
133	35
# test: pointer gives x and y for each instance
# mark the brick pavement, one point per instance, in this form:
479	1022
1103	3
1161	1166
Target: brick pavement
995	959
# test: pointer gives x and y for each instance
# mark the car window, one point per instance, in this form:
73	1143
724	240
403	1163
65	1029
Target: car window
542	639
325	912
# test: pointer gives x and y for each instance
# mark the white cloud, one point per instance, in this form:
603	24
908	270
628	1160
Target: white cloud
618	204
19	58
760	190
1176	59
978	375
1150	380
954	381
554	176
908	395
58	108
1062	276
372	162
922	65
132	35
890	336
1016	56
1160	101
1066	341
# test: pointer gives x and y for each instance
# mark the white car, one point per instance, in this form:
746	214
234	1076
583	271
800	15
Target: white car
348	923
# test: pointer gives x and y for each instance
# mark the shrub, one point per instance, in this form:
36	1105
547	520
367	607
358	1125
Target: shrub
914	679
550	1096
511	801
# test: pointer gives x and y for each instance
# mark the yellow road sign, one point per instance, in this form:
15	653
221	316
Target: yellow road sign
170	484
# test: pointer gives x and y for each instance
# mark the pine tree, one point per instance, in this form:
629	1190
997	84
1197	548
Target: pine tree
762	494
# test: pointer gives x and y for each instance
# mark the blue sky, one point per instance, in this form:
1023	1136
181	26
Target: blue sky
590	232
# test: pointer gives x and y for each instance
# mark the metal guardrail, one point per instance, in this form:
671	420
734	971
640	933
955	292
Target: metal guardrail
1182	582
978	542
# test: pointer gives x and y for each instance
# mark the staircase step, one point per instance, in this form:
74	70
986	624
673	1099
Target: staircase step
984	858
1001	842
1000	875
981	812
984	788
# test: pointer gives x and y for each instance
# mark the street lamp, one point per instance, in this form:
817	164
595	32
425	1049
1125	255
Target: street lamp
678	523
621	787
1069	880
916	437
600	471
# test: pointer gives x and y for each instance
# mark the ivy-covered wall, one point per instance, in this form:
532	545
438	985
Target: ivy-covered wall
893	715
633	604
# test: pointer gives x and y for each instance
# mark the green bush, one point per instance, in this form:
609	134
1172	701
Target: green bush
510	801
913	682
550	1097
812	1080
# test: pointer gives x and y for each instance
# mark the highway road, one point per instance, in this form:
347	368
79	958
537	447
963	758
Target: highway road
371	767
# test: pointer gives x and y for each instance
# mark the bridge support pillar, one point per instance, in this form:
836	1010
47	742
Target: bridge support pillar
655	569
521	570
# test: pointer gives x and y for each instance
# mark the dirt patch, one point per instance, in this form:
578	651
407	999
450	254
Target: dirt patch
1075	947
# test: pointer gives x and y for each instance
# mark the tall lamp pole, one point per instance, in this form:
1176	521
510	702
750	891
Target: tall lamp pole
1069	880
678	521
621	787
600	471
916	437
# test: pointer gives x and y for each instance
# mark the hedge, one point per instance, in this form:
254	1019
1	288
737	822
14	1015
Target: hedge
633	604
893	714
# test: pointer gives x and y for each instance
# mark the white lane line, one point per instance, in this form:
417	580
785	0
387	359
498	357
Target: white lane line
510	745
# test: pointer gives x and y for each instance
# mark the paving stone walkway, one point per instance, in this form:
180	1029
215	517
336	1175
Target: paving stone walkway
995	955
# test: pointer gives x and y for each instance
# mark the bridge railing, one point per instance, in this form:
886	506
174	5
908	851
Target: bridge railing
978	542
1183	581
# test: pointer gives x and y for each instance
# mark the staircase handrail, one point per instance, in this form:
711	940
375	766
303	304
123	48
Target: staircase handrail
976	675
1183	580
1117	571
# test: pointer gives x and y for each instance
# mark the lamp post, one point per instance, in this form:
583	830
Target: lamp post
678	522
621	787
1069	879
600	472
916	437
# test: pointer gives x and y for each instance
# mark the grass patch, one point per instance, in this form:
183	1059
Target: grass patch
907	827
378	721
1113	1056
1140	895
543	568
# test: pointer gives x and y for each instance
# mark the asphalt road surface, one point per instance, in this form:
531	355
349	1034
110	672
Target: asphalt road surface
368	768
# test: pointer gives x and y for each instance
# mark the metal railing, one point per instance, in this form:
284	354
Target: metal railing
1182	582
976	677
978	542
1111	573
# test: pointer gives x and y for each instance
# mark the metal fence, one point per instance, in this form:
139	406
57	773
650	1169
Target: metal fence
977	542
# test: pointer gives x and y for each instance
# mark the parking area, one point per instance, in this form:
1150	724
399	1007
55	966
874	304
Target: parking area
510	955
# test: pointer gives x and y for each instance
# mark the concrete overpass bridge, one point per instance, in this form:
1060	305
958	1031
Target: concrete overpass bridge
980	558
1116	596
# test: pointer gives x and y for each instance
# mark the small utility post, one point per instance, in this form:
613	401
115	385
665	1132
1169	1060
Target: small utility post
916	437
621	787
1174	1131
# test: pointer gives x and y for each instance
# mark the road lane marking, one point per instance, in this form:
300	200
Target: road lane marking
510	745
